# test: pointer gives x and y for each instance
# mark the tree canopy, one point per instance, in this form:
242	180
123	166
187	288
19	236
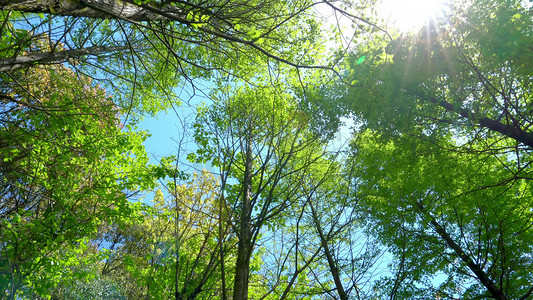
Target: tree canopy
329	155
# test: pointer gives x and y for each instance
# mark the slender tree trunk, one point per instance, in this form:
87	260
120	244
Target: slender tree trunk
177	294
297	272
331	262
480	274
221	236
244	251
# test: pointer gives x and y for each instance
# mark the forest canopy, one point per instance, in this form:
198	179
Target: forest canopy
323	150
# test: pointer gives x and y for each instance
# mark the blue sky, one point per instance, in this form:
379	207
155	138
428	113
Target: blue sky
165	135
172	129
171	134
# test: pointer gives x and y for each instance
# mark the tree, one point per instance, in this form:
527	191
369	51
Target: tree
442	150
456	74
318	250
242	22
141	51
349	254
67	166
445	212
172	251
259	141
439	169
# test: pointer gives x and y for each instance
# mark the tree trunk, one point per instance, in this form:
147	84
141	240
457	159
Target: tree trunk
124	10
177	294
480	274
331	262
101	9
221	237
244	251
242	270
55	57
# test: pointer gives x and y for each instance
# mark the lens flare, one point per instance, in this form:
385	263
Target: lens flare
409	15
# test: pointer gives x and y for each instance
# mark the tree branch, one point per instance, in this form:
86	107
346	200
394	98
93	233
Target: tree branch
85	8
480	274
517	134
123	10
55	57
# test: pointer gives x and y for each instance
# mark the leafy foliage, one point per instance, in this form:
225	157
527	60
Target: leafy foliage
140	258
261	143
67	165
420	189
443	155
436	182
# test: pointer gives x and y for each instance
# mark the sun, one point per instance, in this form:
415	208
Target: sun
409	15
